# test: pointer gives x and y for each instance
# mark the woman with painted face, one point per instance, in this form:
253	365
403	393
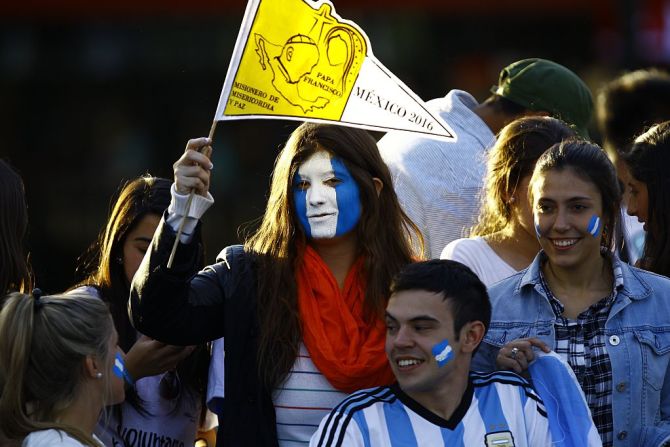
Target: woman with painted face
300	304
609	321
60	364
648	195
503	241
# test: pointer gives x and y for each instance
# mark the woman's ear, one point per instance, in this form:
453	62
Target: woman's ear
92	366
378	185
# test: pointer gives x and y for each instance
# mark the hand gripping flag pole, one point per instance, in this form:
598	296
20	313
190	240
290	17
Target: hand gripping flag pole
207	151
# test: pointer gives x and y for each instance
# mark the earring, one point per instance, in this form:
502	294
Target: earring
511	200
98	375
119	260
604	248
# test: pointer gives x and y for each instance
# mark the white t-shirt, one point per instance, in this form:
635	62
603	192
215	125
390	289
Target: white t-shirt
634	234
477	254
53	438
165	424
216	389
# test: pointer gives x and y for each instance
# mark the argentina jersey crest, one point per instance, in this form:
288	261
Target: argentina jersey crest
499	439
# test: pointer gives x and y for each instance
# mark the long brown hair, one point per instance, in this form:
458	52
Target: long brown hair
648	162
142	196
15	271
137	198
384	235
43	345
512	158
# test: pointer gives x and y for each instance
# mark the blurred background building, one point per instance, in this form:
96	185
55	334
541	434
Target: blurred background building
96	93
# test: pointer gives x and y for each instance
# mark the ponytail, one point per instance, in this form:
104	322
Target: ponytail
44	342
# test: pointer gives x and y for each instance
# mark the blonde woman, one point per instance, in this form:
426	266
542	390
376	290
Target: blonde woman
59	366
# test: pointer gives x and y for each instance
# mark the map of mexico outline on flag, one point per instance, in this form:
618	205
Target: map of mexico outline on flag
297	59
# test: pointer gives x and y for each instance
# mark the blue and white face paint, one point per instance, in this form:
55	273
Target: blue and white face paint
327	198
595	225
119	369
442	352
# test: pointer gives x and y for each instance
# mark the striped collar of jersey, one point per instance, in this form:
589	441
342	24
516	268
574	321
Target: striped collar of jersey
357	402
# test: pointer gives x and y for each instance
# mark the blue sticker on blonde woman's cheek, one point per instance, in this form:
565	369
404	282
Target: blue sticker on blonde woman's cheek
595	224
442	353
119	368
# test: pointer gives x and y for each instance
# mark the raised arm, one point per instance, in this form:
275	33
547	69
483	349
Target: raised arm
178	305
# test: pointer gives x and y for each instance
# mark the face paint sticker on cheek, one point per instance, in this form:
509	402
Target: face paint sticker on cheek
594	226
119	369
442	353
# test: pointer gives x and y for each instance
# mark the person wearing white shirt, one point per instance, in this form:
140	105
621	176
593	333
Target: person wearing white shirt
504	240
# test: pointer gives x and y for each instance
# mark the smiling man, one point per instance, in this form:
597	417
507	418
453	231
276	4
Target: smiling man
436	317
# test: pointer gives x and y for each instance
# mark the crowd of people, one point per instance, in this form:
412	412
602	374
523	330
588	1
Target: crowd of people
545	322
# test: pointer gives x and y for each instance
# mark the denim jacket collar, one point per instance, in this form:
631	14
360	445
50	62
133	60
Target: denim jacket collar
634	287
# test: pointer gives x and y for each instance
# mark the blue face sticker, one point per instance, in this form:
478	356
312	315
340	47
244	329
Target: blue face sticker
119	368
594	226
442	353
327	198
120	371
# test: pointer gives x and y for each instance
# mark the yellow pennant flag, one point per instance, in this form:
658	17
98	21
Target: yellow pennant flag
297	59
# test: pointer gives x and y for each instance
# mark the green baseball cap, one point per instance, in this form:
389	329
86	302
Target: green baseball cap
542	85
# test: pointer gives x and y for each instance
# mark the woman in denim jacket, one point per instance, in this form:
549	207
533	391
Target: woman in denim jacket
608	320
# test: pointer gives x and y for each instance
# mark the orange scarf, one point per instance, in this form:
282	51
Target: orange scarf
349	352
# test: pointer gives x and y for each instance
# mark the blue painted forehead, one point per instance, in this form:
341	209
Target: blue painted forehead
339	168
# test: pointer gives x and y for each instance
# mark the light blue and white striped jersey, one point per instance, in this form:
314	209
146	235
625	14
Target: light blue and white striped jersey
497	410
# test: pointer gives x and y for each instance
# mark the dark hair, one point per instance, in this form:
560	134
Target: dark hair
384	234
630	104
459	286
649	162
134	200
43	344
589	162
140	197
513	157
15	271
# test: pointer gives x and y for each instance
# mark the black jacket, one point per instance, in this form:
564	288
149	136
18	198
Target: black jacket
184	307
